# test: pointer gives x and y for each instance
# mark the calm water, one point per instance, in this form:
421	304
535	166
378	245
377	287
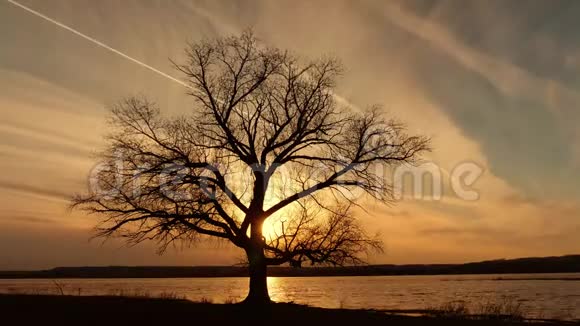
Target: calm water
540	298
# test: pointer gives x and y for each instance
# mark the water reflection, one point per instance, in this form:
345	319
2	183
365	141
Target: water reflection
546	298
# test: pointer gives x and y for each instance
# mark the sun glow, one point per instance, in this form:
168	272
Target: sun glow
280	186
272	228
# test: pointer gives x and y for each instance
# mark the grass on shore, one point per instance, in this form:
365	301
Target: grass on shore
503	310
119	310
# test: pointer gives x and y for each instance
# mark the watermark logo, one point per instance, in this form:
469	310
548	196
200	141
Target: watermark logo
426	181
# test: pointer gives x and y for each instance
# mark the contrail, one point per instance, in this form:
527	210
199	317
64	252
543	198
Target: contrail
142	64
97	42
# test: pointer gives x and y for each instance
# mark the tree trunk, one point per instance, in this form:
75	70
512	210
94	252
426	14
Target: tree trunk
258	268
258	293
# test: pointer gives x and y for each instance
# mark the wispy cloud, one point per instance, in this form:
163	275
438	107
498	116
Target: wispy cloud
511	79
97	42
36	191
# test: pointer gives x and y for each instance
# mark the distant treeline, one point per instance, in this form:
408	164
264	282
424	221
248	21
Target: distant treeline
564	264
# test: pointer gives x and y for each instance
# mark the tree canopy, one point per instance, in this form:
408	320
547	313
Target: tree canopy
266	138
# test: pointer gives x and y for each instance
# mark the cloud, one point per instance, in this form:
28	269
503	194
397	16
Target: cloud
513	112
511	79
36	191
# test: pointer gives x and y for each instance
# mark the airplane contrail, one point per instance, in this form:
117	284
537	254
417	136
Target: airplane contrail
97	42
155	70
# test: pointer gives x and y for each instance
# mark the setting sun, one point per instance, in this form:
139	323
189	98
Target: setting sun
272	228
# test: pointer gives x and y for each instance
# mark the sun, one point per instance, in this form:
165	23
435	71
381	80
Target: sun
271	228
281	185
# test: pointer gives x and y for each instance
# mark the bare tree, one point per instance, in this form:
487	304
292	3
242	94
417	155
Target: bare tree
267	139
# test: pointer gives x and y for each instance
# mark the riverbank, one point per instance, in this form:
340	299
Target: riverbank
117	310
543	265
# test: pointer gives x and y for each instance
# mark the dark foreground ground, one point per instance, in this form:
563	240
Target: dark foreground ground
77	310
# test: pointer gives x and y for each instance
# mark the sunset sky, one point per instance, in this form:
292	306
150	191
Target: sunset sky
495	83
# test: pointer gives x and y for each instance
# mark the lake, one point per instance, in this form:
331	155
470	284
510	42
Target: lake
541	295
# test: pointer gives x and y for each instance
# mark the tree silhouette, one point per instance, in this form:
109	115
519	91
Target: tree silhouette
267	139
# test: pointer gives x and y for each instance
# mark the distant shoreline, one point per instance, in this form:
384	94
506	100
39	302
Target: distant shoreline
543	265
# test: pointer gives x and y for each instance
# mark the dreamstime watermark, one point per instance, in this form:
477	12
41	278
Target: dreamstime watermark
183	182
427	181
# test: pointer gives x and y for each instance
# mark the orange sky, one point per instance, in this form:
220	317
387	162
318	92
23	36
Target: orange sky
489	89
